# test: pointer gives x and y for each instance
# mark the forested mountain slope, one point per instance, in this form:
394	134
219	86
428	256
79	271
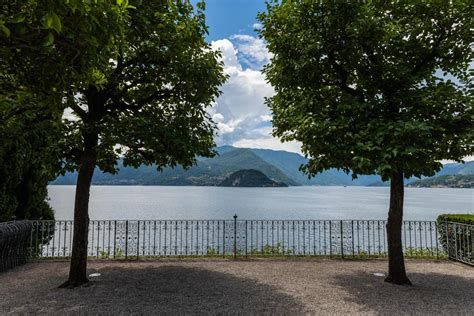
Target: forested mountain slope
279	166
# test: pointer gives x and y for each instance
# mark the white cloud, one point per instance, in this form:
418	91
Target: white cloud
252	50
228	127
266	118
241	115
229	55
269	143
257	26
218	118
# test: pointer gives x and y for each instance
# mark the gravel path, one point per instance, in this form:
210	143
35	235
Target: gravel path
266	286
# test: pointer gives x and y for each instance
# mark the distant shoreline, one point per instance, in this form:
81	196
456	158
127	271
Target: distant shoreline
279	166
294	186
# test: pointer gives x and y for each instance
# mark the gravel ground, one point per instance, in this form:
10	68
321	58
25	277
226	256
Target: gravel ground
309	286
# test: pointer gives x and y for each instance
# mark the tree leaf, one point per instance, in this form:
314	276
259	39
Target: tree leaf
48	20
56	23
19	19
201	5
49	40
5	30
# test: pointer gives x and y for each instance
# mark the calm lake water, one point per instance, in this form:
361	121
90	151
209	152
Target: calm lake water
174	202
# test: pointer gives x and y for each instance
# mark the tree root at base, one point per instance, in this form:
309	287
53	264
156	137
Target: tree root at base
73	284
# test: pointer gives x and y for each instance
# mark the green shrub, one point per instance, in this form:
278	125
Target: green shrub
423	253
458	218
271	250
118	253
211	252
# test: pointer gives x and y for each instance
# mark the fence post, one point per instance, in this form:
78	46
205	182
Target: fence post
126	240
138	239
235	236
436	237
115	238
246	238
342	241
223	237
447	237
353	243
330	239
455	225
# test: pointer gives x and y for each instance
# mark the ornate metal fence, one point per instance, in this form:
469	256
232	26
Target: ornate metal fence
162	238
458	241
14	242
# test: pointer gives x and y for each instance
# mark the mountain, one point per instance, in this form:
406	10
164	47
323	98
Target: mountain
279	166
207	172
249	178
445	181
290	163
457	168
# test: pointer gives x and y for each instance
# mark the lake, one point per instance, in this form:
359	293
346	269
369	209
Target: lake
324	203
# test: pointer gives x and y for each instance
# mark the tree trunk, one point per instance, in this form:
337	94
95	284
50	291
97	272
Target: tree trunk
78	268
396	263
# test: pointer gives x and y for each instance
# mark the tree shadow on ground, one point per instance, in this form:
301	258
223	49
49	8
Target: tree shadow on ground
432	293
172	290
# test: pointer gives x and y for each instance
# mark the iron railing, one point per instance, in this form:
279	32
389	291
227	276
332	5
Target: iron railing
14	243
163	238
457	240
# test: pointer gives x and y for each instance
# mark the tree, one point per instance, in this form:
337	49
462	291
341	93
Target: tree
27	161
45	47
360	85
146	104
49	46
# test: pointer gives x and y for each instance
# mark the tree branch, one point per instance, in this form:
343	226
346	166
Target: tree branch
342	83
118	104
133	84
157	95
124	64
13	113
79	111
432	55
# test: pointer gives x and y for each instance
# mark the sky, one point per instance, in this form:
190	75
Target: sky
242	118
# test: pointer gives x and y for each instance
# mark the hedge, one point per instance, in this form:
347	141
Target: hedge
457	218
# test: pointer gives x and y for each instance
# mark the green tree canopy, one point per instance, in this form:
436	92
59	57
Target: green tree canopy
146	100
27	157
46	47
360	84
51	45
